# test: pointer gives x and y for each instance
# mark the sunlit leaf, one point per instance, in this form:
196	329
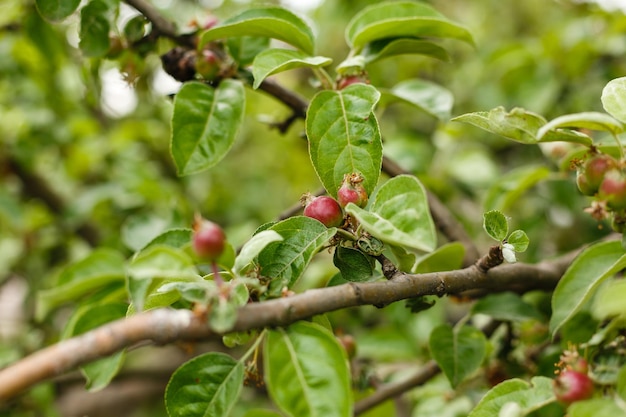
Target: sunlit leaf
397	19
398	214
269	22
519	240
496	225
205	123
614	98
528	396
587	120
253	247
344	137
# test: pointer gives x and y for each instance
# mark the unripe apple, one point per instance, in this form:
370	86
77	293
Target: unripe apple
613	189
348	80
571	386
208	239
208	64
352	191
592	173
325	209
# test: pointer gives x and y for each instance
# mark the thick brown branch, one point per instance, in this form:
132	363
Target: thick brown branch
166	325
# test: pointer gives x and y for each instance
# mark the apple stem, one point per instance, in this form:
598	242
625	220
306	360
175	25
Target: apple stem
216	274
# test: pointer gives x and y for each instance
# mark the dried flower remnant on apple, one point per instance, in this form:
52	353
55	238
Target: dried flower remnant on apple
352	191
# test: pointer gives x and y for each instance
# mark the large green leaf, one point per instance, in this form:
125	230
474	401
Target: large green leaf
204	124
528	397
459	351
398	214
284	261
582	279
586	120
94	28
614	98
519	125
307	372
398	19
57	9
98	269
269	22
102	371
275	60
386	48
426	96
344	137
158	262
206	386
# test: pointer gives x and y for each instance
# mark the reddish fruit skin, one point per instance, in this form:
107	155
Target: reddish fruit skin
613	190
349	193
325	209
592	173
208	64
571	386
349	344
208	240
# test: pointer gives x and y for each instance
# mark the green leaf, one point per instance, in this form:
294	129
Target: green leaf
57	9
253	247
158	262
519	125
496	225
581	280
401	19
426	96
510	187
176	238
610	300
386	48
398	214
354	265
135	29
207	385
244	49
262	413
595	407
529	396
192	291
506	306
269	22
275	60
445	258
285	261
587	120
307	372
102	371
621	383
98	269
344	136
204	124
458	351
94	29
614	98
519	240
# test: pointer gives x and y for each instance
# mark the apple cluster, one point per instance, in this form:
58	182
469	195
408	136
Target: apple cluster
603	177
330	211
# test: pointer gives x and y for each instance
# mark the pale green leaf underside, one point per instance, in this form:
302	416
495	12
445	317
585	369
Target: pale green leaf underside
586	120
614	98
273	61
307	372
520	125
253	247
344	137
204	124
399	19
581	280
398	214
206	386
428	97
269	22
529	396
285	261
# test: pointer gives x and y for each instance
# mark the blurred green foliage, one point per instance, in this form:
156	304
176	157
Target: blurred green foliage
73	175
